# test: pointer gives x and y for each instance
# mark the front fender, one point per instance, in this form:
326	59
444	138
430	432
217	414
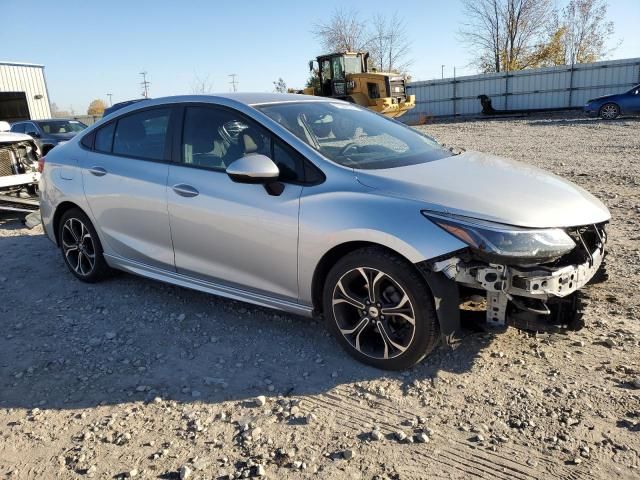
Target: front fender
330	219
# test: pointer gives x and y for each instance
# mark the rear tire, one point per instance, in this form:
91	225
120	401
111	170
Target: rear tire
81	248
609	111
380	309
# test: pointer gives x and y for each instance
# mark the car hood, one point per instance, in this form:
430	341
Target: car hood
490	188
614	96
10	137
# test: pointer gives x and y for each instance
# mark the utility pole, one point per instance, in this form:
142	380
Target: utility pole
110	101
145	85
234	82
442	71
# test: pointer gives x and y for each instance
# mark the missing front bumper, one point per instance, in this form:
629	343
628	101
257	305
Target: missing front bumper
539	298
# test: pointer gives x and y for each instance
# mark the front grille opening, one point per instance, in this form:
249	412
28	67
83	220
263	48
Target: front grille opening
588	238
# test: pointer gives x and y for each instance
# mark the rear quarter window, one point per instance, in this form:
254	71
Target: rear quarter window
104	138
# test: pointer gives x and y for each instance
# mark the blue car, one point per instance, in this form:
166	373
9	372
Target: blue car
611	106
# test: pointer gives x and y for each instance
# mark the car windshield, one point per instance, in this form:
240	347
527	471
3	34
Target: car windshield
355	137
62	126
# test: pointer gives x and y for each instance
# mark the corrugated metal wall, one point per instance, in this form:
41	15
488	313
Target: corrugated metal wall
27	78
545	88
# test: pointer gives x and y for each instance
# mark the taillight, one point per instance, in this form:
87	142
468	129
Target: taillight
41	164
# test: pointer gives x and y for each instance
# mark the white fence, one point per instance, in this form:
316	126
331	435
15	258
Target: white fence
559	87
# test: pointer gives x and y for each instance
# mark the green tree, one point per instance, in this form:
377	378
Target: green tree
314	82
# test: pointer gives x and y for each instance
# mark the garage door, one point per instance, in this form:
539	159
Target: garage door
13	106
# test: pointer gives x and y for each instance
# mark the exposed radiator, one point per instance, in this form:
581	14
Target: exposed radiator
7	162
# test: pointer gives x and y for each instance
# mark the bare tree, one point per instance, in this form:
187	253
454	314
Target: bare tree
57	113
344	31
483	32
505	34
201	85
586	30
388	44
280	86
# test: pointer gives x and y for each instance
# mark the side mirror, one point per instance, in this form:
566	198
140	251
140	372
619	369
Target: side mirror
33	134
253	168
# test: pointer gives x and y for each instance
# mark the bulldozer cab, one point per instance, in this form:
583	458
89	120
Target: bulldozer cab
334	70
346	76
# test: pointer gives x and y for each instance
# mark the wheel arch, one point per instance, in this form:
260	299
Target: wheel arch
444	291
57	216
331	257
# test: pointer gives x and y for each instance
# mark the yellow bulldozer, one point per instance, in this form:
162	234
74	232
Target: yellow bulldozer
347	76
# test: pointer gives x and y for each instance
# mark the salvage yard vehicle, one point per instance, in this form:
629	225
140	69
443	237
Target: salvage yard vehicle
49	133
317	206
19	175
612	106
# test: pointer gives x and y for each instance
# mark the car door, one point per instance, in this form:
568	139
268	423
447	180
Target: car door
125	181
226	232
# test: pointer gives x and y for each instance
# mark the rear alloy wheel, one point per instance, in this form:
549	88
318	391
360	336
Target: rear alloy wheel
609	111
81	248
380	309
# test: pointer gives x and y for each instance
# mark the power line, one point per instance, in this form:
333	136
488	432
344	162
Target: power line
234	83
145	85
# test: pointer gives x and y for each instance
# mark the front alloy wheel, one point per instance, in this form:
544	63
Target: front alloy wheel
609	111
373	313
380	309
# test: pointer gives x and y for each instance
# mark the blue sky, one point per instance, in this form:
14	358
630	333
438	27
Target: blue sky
90	48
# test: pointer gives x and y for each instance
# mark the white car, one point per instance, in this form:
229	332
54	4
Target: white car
19	171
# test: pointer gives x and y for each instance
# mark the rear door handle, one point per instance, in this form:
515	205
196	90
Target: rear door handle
98	171
185	190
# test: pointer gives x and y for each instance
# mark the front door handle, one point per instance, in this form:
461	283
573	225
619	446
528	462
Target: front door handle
185	190
98	171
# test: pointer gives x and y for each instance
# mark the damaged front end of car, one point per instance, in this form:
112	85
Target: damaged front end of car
19	175
529	278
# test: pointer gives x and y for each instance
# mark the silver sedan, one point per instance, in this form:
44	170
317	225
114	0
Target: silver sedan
319	207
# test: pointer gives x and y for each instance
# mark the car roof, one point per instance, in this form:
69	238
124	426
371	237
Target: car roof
269	97
246	99
46	120
250	99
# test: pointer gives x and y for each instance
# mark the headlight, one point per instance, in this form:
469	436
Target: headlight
505	240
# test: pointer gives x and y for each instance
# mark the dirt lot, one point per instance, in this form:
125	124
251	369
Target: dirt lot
135	378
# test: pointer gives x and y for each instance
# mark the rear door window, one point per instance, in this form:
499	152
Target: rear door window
142	135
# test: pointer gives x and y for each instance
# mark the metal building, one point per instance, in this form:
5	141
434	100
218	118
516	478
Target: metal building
23	92
564	86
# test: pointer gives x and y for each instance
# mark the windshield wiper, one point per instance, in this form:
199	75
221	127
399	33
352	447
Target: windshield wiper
455	150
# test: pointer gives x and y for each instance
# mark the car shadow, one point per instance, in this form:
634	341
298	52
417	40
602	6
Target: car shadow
66	344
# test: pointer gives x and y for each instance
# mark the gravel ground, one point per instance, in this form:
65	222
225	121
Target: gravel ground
134	378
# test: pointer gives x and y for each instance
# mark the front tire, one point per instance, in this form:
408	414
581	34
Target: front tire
609	111
81	248
380	309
